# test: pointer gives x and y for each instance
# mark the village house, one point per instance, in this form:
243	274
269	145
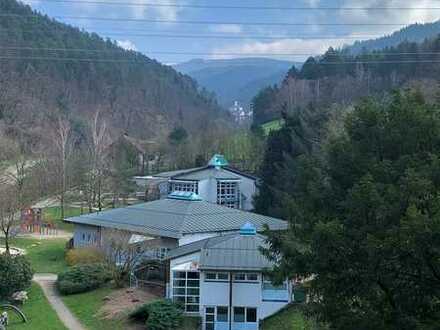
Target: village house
216	182
221	279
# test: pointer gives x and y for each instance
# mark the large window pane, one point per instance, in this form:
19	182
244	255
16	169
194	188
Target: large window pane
222	314
252	277
211	276
179	291
239	277
193	275
239	314
180	283
223	276
251	314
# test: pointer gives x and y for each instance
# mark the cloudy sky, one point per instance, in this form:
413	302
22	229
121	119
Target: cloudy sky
160	28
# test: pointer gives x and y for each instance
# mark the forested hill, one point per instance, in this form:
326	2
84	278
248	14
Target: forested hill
337	77
47	67
235	79
412	33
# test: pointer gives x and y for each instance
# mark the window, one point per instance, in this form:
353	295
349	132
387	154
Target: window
246	277
210	318
191	186
245	314
251	315
268	285
161	253
216	276
239	313
186	290
240	277
222	314
228	194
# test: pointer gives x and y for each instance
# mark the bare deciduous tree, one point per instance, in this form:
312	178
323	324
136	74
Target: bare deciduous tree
123	253
9	215
98	146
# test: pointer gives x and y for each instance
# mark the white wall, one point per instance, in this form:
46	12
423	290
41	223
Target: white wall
86	235
248	188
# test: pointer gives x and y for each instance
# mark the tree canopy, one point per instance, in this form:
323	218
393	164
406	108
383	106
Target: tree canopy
364	216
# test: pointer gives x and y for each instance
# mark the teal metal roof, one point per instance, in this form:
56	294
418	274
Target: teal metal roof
177	217
232	252
218	160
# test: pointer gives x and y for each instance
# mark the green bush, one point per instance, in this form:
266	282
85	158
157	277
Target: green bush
162	314
15	275
83	278
87	255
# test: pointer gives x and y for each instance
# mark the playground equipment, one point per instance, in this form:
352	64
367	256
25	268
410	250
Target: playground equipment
32	222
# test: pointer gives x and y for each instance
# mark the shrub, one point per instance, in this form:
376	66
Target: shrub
83	278
15	275
87	255
162	314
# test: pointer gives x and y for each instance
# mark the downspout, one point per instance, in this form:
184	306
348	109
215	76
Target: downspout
230	300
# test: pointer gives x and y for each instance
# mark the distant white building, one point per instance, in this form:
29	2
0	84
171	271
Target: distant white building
221	279
241	116
216	182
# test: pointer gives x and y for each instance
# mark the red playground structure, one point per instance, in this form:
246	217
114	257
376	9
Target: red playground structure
32	222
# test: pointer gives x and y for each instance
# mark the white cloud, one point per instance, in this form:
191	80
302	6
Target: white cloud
126	44
414	14
303	47
31	2
226	28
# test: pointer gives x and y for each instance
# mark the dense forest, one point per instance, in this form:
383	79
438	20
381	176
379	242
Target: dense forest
48	68
338	77
413	33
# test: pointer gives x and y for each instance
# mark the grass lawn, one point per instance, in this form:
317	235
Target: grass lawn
290	318
39	313
54	214
45	256
85	307
273	125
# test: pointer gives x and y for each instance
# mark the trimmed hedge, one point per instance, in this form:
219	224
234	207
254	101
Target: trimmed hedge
83	278
161	314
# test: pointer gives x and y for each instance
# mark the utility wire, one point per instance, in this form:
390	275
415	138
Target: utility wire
213	36
202	22
206	53
67	59
122	51
203	6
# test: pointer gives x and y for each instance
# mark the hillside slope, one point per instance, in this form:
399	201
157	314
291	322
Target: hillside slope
48	67
235	79
412	33
337	77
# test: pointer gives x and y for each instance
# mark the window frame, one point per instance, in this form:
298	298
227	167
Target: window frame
246	278
187	298
216	279
228	193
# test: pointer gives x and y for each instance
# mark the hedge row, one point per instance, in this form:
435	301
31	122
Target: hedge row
83	278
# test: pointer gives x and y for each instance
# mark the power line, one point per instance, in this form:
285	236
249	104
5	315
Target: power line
67	59
202	22
122	51
235	7
214	36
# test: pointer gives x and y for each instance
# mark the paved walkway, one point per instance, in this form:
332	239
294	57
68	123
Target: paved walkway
47	283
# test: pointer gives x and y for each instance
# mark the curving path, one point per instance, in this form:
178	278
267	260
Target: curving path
47	283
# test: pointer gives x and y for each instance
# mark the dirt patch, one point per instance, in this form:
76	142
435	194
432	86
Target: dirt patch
121	302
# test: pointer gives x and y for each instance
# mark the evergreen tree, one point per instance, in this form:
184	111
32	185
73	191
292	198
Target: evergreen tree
364	219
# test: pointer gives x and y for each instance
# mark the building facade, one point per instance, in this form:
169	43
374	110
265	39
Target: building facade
221	279
216	183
